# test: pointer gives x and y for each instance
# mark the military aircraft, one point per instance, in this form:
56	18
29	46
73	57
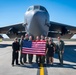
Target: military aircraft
37	22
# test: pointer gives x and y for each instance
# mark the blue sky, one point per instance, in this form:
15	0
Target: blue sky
62	11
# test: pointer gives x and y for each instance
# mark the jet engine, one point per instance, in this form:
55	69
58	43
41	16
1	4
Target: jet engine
64	31
13	30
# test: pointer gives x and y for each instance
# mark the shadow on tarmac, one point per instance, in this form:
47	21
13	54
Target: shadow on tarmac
69	53
56	65
4	45
33	65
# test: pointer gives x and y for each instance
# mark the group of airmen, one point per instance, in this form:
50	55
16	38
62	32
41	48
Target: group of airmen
51	49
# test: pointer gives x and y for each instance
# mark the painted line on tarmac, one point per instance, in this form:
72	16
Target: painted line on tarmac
42	70
45	70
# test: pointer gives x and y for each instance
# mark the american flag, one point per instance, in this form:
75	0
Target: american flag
37	48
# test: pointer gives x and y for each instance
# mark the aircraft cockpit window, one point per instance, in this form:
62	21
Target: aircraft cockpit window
42	8
36	7
31	8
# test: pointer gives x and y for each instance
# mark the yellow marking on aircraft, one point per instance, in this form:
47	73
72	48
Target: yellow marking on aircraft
41	69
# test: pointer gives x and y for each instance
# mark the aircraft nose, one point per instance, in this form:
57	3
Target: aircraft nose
41	17
36	22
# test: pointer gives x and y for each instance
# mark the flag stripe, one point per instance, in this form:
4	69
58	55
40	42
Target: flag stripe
32	51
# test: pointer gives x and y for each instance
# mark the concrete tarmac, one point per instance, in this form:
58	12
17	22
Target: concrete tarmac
69	67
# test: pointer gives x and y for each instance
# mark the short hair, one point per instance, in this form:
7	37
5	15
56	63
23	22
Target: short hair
58	37
26	34
16	38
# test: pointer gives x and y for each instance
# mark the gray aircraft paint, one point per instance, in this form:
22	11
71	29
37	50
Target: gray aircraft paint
36	19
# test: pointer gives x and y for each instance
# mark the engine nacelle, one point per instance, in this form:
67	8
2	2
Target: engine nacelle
64	31
13	30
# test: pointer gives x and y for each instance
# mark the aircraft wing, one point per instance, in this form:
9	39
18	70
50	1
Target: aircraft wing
63	30
13	30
